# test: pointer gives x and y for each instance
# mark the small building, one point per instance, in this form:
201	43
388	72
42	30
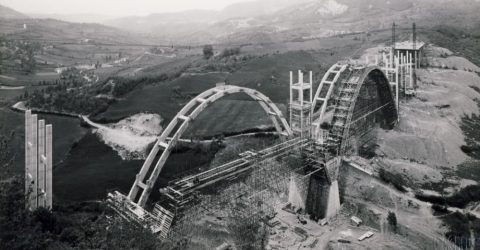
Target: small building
357	221
365	236
224	246
412	50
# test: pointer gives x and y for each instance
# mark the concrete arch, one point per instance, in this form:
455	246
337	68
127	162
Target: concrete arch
347	107
147	176
325	89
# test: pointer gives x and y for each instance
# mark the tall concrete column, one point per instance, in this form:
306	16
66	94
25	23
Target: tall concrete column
38	162
28	156
333	203
41	163
34	162
298	191
48	168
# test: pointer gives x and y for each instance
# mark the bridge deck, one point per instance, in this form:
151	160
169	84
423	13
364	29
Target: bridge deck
180	189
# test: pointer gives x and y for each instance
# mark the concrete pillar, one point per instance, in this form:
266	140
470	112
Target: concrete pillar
38	162
411	74
34	161
397	100
391	58
291	96
300	77
28	152
298	191
48	169
41	163
311	84
333	203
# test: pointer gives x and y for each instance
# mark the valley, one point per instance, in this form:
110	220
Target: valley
111	89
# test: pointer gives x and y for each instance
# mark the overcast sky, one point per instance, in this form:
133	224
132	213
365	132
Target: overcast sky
113	7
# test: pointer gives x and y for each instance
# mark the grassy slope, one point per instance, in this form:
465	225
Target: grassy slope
66	131
463	41
160	98
93	169
230	116
257	74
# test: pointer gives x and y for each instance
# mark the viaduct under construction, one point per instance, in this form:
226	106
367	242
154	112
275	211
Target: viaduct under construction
337	120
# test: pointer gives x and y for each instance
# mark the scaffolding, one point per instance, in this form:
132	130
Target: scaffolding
301	96
249	197
183	200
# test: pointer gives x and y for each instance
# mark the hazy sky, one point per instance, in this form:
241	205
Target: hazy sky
113	7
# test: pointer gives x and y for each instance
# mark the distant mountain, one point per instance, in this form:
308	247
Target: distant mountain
269	20
74	18
190	24
258	21
8	13
66	32
168	23
320	18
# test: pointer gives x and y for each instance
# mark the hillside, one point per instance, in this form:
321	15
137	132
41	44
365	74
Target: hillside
65	32
254	22
8	13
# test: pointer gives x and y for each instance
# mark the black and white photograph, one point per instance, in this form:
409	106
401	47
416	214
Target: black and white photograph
239	124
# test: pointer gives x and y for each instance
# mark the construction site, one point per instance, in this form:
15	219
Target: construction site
240	125
296	193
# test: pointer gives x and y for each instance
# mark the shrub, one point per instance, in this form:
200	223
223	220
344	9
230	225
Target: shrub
230	52
460	199
466	149
392	220
207	51
395	179
439	209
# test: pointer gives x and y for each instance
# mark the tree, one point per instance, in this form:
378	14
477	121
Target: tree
208	51
392	220
68	226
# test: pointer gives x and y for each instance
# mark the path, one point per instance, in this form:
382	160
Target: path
11	87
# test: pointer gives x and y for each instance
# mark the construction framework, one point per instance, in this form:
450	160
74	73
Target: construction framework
147	176
350	102
301	105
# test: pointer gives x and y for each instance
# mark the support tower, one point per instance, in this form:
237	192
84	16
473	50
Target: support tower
301	96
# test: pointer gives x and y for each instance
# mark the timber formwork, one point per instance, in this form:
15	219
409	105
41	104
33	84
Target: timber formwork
364	100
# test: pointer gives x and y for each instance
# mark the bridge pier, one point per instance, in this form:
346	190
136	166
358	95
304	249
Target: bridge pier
316	191
333	202
298	191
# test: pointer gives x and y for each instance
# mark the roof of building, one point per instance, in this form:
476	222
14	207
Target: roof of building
408	45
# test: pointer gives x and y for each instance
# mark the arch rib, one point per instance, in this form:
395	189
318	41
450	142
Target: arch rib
336	70
166	141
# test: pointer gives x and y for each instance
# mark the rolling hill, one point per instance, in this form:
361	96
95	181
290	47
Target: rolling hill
8	13
51	30
17	26
264	21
